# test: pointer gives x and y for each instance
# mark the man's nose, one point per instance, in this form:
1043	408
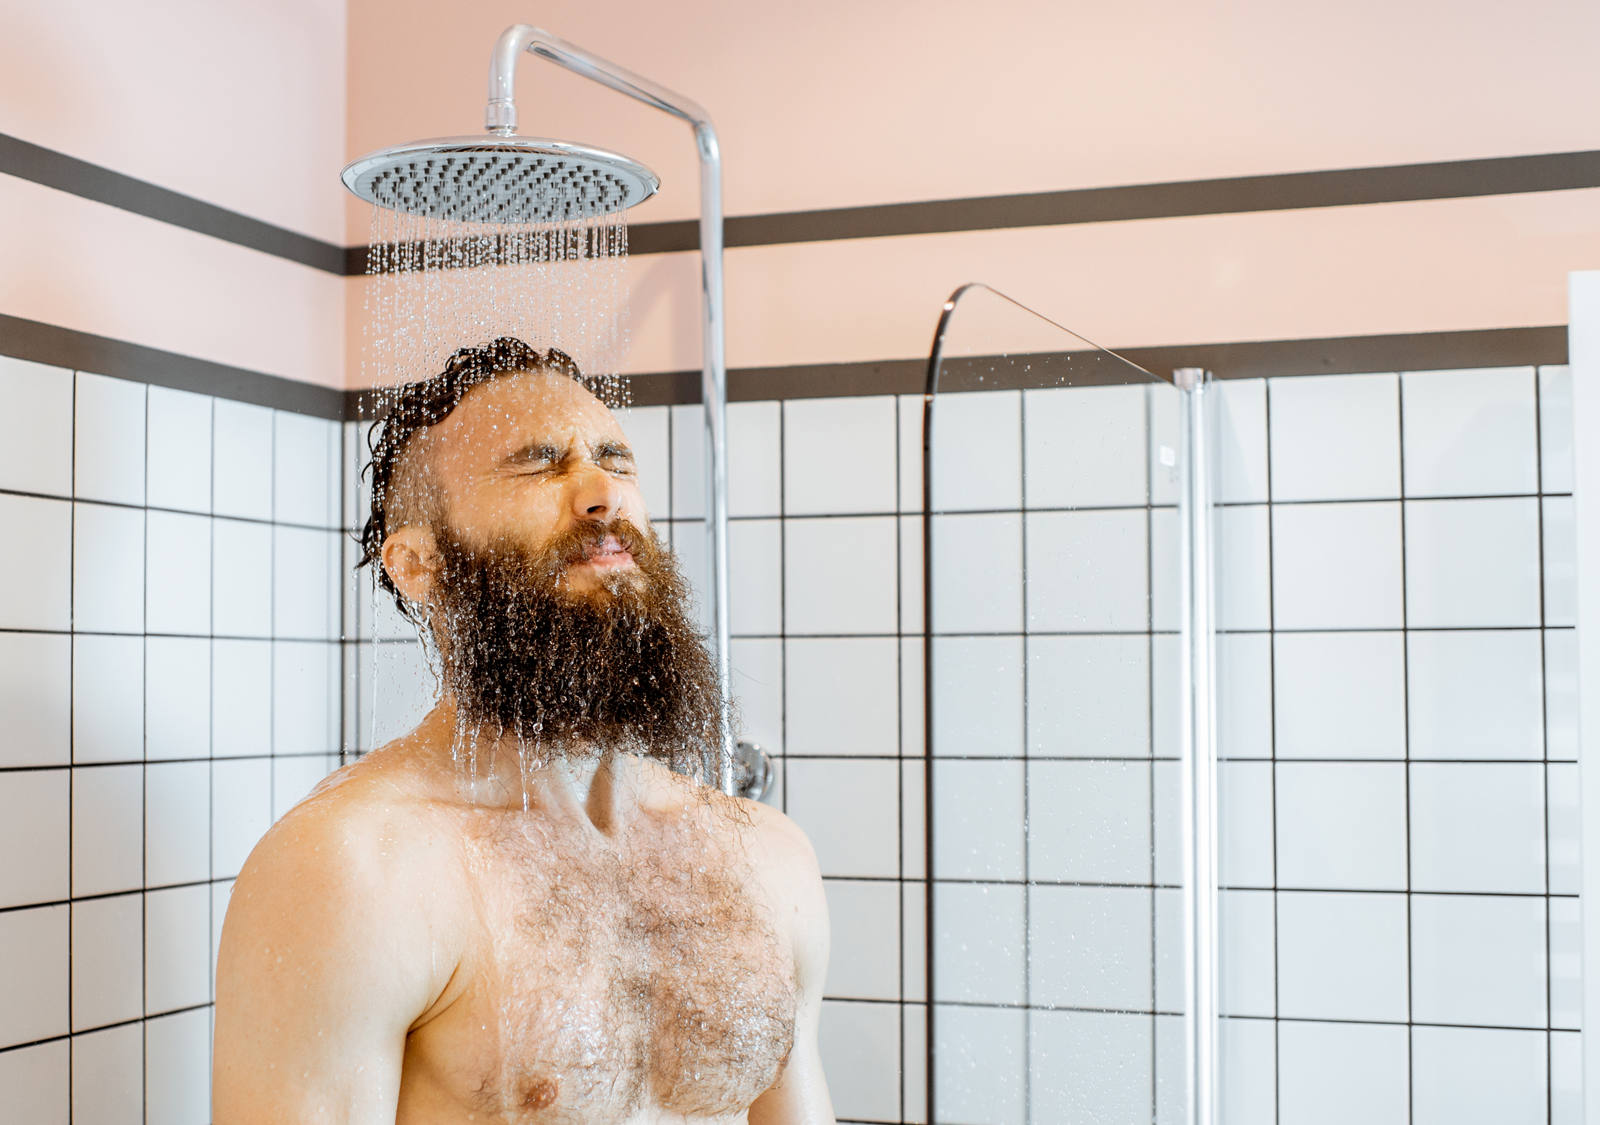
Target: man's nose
597	495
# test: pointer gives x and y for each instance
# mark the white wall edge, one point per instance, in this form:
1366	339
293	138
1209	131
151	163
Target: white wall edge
1583	335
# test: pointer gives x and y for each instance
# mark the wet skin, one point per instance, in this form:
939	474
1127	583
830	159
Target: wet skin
605	943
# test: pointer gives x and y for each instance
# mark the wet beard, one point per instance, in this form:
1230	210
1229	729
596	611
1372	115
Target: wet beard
621	668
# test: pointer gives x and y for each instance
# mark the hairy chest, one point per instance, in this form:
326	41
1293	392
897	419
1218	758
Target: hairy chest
611	982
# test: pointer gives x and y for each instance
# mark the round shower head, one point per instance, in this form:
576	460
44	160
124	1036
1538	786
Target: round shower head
499	179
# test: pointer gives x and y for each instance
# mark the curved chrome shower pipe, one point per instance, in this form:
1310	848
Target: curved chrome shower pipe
501	117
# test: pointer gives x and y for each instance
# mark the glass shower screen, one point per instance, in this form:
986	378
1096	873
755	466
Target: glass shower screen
1051	614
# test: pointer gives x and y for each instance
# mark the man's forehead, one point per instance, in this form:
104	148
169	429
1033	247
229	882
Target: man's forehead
511	409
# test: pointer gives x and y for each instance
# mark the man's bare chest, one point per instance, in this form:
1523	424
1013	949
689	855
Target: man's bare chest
610	980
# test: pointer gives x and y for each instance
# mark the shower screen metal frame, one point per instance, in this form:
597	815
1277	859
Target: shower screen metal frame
1197	726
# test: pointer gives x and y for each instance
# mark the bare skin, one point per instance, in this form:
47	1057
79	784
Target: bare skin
607	943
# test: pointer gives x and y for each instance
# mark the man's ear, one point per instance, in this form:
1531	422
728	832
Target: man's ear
411	559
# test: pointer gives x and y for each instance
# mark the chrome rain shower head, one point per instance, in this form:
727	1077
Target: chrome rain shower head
496	178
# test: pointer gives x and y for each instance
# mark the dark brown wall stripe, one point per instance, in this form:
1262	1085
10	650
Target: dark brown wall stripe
90	181
1455	179
81	351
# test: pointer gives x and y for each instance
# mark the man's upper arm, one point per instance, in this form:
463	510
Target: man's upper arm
317	978
800	1096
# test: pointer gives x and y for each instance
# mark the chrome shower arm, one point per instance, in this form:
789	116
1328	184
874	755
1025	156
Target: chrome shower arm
501	117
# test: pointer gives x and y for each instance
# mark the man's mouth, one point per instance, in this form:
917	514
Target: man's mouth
607	553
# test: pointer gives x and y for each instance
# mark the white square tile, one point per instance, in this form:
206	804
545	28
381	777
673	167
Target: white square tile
1090	1066
241	698
978	943
913	802
1166	571
646	428
1085	447
1560	563
1244	695
34	815
1566	1078
1478	1074
1249	1072
914	935
107	829
1244	568
241	803
910	415
36	699
177	816
1164	696
982	1061
108	574
1167	960
1090	947
758	690
305	690
177	950
1240	428
305	597
1342	825
1168	823
755	432
977	573
1316	1065
1472	563
1247	938
842	695
242	472
1478	828
1478	960
33	974
914	1065
1087	571
1166	441
1564	822
977	452
839	575
860	1055
840	805
107	961
178	565
978	810
1475	695
755	576
1561	694
864	960
1342	956
242	577
1566	963
690	546
1246	829
1337	566
1470	433
1171	1088
1335	437
817	478
1340	695
108	1076
1089	821
1555	428
177	711
305	457
688	424
977	696
911	576
108	699
1089	697
108	443
36	443
36	584
179	450
35	1081
913	735
178	1068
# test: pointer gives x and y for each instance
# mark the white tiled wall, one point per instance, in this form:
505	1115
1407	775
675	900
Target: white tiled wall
158	715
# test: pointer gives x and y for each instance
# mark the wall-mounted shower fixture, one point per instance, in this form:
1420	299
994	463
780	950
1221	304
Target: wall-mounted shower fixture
501	177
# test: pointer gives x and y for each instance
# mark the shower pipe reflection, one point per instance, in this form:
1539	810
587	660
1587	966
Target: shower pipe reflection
1198	726
523	164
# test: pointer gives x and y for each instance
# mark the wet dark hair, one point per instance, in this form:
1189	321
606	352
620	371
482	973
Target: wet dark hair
412	407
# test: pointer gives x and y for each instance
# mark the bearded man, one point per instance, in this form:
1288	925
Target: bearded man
523	910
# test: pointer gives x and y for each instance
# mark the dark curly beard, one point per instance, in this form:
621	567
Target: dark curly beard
569	673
